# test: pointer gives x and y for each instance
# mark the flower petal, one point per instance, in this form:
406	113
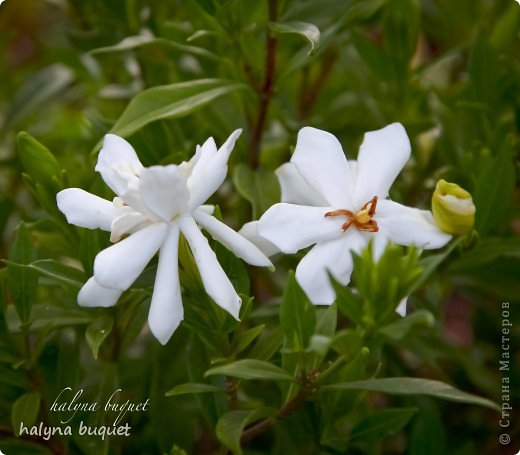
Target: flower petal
295	189
232	240
86	210
205	154
216	283
409	226
128	223
293	227
119	265
401	308
328	257
382	156
166	311
94	295
250	232
209	175
164	191
321	162
118	163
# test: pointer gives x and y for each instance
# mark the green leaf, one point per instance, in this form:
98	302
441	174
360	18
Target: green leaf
97	332
297	317
39	89
231	425
192	388
327	321
54	269
39	162
430	264
414	386
43	314
349	304
247	337
170	101
22	280
268	344
134	42
251	369
398	330
494	189
428	435
309	31
486	251
260	187
25	410
383	424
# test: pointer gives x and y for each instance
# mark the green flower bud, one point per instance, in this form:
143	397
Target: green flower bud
453	208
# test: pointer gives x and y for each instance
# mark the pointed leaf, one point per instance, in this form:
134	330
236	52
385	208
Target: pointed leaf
414	386
38	161
22	280
25	410
170	101
192	388
399	329
97	332
309	31
297	317
251	369
231	425
383	424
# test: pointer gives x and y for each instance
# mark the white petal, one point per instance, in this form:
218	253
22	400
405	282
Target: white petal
166	311
205	154
320	160
409	226
215	281
382	156
334	257
250	232
118	266
232	240
164	191
401	308
86	210
379	242
293	227
94	295
118	163
128	223
295	189
209	209
206	180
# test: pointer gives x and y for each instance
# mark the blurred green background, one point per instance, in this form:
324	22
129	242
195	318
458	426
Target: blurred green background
448	70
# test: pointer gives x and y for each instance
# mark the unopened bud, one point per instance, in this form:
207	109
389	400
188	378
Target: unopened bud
453	208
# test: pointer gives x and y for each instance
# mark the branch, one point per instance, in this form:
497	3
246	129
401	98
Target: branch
264	425
266	90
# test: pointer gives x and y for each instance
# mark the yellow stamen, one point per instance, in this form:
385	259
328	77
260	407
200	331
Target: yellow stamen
362	220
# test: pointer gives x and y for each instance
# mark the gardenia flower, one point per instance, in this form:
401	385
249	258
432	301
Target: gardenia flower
153	206
340	206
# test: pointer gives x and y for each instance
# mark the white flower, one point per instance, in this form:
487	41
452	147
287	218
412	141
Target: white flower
153	206
338	206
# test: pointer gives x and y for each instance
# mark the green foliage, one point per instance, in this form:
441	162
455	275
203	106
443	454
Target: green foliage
412	386
25	410
381	425
170	101
251	369
22	280
168	75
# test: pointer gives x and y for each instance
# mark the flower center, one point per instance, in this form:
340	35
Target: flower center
362	220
